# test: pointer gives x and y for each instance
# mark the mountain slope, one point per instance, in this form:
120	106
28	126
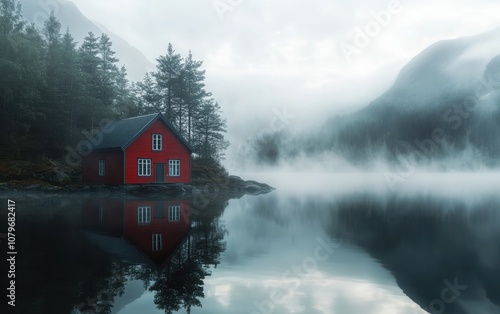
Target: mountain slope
70	17
444	109
446	67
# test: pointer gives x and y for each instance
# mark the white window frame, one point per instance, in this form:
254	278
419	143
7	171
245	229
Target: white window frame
102	167
174	213
174	168
156	242
143	215
157	142
144	167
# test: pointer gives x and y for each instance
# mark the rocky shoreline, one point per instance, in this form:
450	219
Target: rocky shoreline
233	186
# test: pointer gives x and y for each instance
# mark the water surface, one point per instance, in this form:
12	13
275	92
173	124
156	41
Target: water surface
334	244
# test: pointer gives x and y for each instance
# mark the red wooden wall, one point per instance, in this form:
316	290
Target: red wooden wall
142	148
114	168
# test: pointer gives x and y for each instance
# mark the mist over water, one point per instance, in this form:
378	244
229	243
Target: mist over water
330	184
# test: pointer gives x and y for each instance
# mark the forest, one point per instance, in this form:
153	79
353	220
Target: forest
54	90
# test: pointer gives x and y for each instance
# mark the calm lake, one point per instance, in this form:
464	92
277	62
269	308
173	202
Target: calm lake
344	243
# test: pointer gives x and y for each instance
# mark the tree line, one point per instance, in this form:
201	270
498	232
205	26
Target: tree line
52	90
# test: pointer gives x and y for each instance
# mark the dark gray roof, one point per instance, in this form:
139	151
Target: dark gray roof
123	132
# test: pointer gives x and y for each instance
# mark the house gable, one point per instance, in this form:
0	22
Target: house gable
172	150
168	125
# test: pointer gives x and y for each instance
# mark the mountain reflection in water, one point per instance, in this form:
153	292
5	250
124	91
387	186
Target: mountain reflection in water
444	254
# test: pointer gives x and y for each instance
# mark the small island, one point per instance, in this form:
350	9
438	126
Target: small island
71	120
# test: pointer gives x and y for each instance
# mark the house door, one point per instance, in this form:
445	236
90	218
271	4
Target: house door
160	173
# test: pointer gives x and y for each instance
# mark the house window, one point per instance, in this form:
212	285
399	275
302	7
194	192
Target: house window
174	213
157	142
102	167
174	168
157	243
144	167
143	215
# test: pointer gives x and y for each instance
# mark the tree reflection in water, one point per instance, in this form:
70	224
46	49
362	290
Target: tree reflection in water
179	282
192	241
78	255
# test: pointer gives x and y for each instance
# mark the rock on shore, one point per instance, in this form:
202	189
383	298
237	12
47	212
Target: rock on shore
234	186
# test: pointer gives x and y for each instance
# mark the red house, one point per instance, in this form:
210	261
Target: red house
141	150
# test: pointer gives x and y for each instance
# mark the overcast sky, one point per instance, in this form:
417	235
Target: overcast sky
263	55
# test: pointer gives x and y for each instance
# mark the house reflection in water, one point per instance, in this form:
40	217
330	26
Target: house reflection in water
139	231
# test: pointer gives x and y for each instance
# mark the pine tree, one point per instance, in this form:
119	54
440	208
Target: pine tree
193	81
108	71
150	95
70	81
179	91
52	33
209	141
22	68
126	103
167	79
89	63
54	108
11	32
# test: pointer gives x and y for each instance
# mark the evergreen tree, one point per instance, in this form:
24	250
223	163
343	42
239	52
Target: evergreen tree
22	68
11	69
108	71
52	33
54	108
167	79
193	81
180	87
89	62
150	95
209	141
126	104
70	82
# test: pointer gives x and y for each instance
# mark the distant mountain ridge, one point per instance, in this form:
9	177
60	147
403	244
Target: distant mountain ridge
443	108
448	65
79	26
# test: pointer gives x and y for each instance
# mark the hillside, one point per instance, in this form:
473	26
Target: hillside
444	109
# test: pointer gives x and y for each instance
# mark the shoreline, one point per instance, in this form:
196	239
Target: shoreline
233	186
